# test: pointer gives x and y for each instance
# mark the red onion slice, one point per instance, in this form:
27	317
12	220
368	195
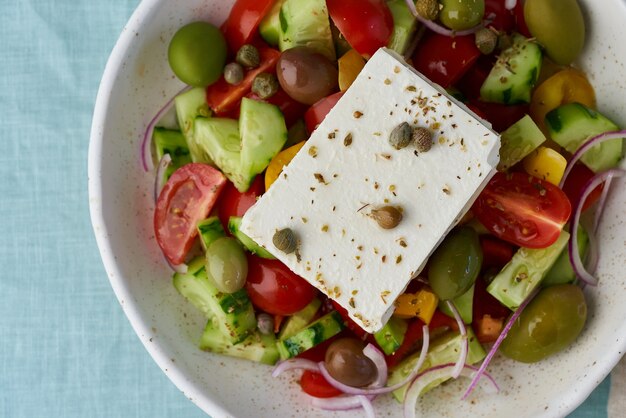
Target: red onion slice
574	256
433	374
367	406
437	28
460	363
146	143
370	351
379	390
496	345
298	363
607	136
160	180
510	4
338	403
602	203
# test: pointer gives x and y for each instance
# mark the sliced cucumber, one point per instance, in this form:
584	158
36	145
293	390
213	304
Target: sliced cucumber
306	23
209	230
234	314
572	124
319	331
173	143
391	336
525	272
514	75
519	140
270	25
404	26
190	105
257	347
562	271
299	320
233	226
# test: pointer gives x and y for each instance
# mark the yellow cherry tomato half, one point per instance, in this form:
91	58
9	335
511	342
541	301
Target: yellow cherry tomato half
546	164
350	65
279	161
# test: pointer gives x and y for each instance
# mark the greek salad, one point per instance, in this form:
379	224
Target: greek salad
381	195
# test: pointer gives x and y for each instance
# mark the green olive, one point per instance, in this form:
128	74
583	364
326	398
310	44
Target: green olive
226	265
558	25
461	14
550	323
455	264
197	54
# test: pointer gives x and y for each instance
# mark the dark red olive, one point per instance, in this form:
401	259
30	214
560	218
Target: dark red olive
346	362
306	75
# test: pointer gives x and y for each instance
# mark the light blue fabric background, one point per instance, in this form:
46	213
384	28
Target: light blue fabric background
66	349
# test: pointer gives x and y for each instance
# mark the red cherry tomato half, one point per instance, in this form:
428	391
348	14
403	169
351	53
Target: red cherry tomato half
575	184
224	98
503	19
443	59
316	113
242	23
366	24
234	203
412	338
187	198
275	289
523	209
501	116
474	78
485	304
350	324
314	384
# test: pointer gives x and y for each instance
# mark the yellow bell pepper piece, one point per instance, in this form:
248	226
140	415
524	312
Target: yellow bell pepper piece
546	164
350	65
421	304
279	161
566	86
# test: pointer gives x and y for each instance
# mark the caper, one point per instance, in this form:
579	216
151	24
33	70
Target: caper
400	137
346	362
461	14
428	9
248	56
265	85
226	265
558	25
285	240
233	73
423	139
387	217
486	41
549	324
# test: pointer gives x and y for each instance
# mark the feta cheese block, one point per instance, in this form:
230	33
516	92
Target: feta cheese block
348	168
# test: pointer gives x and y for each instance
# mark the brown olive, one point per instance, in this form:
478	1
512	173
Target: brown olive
306	75
346	362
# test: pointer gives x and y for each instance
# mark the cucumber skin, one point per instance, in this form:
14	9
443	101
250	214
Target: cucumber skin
306	23
519	140
299	320
391	336
210	230
319	331
171	142
234	224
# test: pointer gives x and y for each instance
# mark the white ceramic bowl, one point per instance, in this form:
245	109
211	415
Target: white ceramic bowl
138	81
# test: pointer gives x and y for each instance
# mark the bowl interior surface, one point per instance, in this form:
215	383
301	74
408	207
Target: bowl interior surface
138	81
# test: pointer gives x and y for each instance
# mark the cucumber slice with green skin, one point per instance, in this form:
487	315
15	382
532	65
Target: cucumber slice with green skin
173	143
219	137
464	304
270	25
234	223
519	140
391	336
263	135
210	230
404	26
319	331
233	313
514	75
257	347
299	320
524	272
190	105
562	271
443	350
306	23
572	124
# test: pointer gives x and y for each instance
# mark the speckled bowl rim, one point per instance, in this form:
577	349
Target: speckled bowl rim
574	395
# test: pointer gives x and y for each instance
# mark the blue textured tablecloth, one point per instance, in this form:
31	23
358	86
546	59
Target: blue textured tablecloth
66	349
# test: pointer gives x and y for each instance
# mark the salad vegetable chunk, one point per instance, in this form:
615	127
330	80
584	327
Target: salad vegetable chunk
382	195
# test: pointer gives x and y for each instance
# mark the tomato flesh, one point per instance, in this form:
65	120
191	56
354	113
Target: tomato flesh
316	113
316	385
187	198
496	253
443	59
234	203
575	184
366	24
242	23
503	19
275	289
523	209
